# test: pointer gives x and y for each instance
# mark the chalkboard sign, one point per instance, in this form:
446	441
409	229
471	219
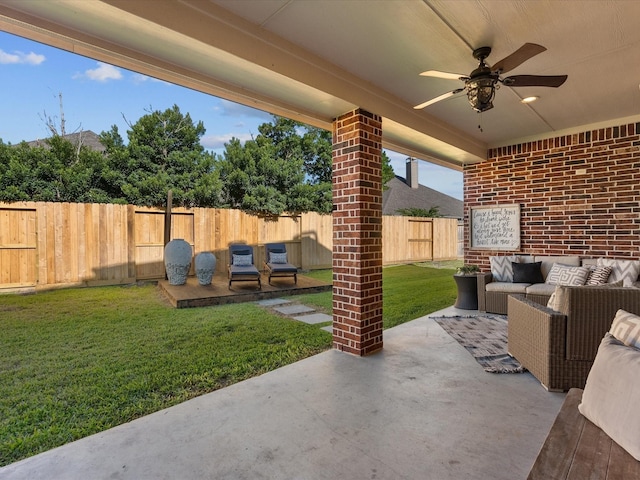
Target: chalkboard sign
496	227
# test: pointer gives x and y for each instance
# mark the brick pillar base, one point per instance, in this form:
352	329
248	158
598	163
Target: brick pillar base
357	233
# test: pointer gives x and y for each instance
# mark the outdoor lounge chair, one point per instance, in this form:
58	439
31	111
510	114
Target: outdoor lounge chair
241	266
276	264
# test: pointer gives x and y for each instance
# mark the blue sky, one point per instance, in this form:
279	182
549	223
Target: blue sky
96	96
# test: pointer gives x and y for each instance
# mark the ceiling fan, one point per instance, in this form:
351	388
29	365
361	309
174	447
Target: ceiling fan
481	84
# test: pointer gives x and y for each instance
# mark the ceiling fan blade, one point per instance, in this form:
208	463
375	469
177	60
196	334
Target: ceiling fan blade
518	57
447	75
534	80
437	99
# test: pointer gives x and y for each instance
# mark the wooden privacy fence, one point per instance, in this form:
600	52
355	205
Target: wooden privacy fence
45	245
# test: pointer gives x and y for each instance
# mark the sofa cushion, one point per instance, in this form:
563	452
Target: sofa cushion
527	272
501	268
548	261
567	275
507	287
541	289
598	275
626	328
625	270
612	391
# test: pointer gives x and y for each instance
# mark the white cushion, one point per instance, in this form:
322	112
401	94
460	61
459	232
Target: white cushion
501	267
625	270
567	275
626	328
507	287
612	393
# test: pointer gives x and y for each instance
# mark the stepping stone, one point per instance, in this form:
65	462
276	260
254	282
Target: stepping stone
328	328
270	302
314	318
294	309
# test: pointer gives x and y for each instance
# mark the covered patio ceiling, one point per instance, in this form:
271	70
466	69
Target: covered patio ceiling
315	60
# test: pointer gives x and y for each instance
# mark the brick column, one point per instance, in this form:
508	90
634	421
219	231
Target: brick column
357	233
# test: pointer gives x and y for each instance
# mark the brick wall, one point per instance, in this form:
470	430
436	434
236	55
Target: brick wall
357	233
578	194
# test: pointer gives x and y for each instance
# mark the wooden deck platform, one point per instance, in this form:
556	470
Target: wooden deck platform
192	294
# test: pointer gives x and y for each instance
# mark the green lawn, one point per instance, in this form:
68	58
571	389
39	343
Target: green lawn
409	291
78	361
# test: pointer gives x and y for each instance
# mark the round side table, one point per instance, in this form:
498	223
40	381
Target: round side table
467	292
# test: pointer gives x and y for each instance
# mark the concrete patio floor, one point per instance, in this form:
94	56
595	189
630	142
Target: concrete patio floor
420	409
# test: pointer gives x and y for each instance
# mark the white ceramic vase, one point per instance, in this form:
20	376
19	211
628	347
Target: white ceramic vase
205	266
177	261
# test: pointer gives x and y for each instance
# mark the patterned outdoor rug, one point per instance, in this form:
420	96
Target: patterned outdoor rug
485	338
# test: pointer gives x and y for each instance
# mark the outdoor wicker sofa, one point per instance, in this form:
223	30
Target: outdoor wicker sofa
558	346
495	287
493	293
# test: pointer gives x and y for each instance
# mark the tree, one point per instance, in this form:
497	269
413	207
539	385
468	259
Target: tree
419	212
57	172
387	170
287	167
164	153
267	174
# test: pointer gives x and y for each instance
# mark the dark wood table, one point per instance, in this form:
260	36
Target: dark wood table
467	292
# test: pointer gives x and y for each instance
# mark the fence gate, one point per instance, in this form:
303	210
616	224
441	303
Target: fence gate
18	248
420	240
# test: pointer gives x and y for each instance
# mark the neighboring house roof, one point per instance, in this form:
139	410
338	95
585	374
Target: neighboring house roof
399	195
85	138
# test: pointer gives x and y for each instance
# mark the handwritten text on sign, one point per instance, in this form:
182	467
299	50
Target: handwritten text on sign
496	227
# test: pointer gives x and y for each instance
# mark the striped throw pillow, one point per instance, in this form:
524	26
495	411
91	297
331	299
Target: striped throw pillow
626	328
598	275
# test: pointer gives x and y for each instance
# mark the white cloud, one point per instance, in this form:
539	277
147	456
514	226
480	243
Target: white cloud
103	73
21	58
214	142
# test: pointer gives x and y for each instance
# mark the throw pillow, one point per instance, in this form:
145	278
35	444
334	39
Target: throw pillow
501	267
625	270
626	328
554	303
278	257
242	260
566	275
527	272
598	275
610	395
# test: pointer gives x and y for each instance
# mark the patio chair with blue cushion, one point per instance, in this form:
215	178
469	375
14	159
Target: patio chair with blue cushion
276	263
241	266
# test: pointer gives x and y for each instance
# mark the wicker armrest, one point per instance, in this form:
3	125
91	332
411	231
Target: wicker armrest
590	312
536	338
483	279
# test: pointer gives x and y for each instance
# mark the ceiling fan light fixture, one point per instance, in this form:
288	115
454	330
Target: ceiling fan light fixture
480	93
529	99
